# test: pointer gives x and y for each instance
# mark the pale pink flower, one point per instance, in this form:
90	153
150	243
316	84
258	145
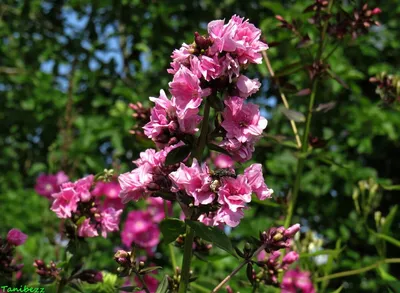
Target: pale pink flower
186	89
247	86
82	188
46	185
255	179
234	192
223	36
229	66
205	67
140	229
295	281
226	216
156	208
223	161
195	180
86	229
109	221
65	202
180	57
134	184
16	237
262	256
242	121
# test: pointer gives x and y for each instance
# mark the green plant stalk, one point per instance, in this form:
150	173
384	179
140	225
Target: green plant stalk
187	258
358	271
145	288
187	249
170	246
304	147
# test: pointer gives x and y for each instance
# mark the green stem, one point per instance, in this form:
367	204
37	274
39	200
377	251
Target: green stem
170	246
358	271
145	288
187	258
200	288
304	146
204	132
61	286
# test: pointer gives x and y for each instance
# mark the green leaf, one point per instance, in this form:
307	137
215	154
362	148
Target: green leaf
389	220
217	148
130	288
385	275
388	239
149	270
76	287
212	234
391	187
178	155
293	115
289	69
171	229
338	290
163	286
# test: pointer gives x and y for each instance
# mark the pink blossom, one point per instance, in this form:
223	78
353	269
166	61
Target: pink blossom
66	201
255	179
226	216
295	281
86	229
180	57
241	152
114	203
140	229
205	67
247	86
229	66
82	188
185	87
222	35
262	256
156	208
151	283
16	237
46	185
134	183
290	258
109	189
223	161
242	121
195	180
376	10
109	221
234	192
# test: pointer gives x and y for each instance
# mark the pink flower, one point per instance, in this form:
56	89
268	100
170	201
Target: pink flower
134	183
114	203
87	230
195	180
229	66
82	188
242	121
151	283
295	281
226	216
180	57
46	185
255	179
376	10
109	221
234	193
247	86
16	237
205	67
241	152
66	201
222	35
140	229
185	87
290	258
156	208
109	189
262	256
223	161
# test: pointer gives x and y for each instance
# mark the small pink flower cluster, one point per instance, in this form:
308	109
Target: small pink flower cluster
273	264
16	237
141	226
210	65
8	264
296	281
47	184
77	202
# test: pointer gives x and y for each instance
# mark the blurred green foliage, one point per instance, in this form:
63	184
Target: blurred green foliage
69	69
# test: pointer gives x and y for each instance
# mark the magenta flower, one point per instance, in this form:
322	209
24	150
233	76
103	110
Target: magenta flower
109	189
223	161
109	221
295	281
83	186
234	193
255	179
134	184
242	121
114	203
289	258
65	202
195	180
156	208
240	152
46	185
186	89
86	229
226	216
16	237
180	57
205	67
140	229
247	86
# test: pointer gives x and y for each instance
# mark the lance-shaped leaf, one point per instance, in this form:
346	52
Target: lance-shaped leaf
293	115
217	148
178	154
171	229
289	69
163	286
212	234
149	270
130	289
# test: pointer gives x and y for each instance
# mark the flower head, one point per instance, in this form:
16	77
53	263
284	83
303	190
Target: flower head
16	237
295	281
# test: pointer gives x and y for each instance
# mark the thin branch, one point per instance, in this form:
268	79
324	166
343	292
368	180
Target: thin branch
283	97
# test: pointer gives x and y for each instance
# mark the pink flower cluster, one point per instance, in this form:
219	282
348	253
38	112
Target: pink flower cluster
141	227
77	202
229	192
295	281
16	237
47	184
273	265
210	65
